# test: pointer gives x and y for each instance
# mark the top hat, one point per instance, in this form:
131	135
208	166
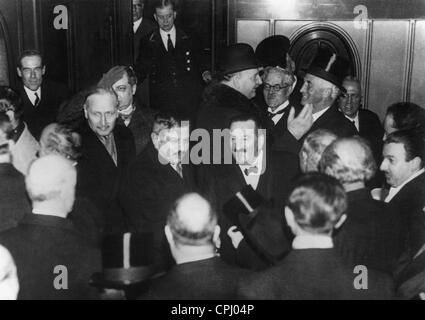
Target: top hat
272	51
238	57
329	66
127	260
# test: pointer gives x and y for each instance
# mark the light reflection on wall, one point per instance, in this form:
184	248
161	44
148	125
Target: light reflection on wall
279	8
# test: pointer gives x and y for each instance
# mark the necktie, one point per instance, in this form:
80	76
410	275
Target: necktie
271	114
170	46
108	142
250	170
37	99
179	169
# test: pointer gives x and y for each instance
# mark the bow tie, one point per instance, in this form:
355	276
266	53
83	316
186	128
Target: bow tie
272	114
250	170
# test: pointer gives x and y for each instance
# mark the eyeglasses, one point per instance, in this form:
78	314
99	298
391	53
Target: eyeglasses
352	96
275	87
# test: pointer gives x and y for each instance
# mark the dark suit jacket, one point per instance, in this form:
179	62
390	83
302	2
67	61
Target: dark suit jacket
266	233
40	243
220	103
99	163
410	201
334	121
313	274
209	279
143	31
175	81
52	95
371	235
141	124
411	279
13	196
147	193
371	129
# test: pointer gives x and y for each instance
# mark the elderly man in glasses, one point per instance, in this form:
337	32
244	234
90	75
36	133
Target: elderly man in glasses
366	122
278	84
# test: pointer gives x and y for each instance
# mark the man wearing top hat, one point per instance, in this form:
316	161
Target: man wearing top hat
238	78
321	88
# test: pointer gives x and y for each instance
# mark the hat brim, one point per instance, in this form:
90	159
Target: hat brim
235	69
318	72
123	278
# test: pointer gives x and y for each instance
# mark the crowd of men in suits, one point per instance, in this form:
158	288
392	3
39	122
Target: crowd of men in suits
104	197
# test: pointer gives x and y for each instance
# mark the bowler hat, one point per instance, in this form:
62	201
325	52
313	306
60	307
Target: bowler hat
272	51
329	66
127	260
238	57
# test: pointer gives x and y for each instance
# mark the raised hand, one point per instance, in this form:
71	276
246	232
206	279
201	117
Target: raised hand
299	126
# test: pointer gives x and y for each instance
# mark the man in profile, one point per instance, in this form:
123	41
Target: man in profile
371	235
403	166
321	88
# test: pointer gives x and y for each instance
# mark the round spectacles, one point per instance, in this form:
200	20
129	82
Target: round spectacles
352	96
275	87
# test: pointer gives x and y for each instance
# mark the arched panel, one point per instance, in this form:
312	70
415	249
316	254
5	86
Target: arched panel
306	41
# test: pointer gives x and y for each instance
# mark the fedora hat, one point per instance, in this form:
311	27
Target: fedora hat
238	57
272	51
127	260
329	66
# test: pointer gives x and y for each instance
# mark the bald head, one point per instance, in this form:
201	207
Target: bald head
192	221
9	285
350	160
51	179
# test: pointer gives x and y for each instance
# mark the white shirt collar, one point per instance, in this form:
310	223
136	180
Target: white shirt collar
45	212
277	117
258	162
253	178
394	191
136	24
355	119
164	36
317	115
31	94
281	107
312	242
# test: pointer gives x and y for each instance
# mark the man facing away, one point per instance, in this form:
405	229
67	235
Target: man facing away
312	270
193	236
45	244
